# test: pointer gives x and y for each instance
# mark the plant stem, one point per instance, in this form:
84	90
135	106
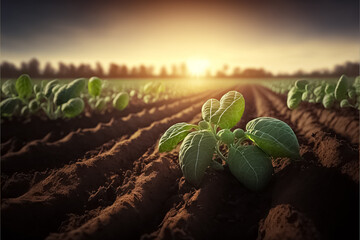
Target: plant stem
219	153
240	141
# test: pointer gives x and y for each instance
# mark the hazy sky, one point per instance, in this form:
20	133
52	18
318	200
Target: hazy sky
281	36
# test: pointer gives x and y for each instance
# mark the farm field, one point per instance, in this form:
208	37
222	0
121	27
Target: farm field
101	176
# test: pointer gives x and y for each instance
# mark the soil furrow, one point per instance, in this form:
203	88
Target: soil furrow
307	185
39	155
17	134
69	186
331	151
219	209
344	122
127	216
123	188
134	210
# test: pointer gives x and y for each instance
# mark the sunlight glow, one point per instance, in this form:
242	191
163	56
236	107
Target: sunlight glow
197	67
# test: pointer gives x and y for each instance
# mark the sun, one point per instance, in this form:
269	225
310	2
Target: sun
197	67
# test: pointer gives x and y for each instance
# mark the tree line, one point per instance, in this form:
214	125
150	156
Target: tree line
70	70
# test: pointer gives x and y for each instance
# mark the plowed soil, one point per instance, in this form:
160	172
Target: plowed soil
102	177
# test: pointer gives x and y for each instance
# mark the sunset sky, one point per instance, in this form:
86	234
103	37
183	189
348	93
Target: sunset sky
281	36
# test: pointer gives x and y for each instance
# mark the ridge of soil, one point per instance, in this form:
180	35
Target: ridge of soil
108	181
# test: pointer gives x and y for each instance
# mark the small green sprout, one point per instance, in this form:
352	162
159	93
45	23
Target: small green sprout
250	164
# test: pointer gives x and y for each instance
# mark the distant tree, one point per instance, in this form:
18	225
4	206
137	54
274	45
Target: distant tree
63	71
9	70
85	70
225	69
73	71
113	70
33	68
150	71
142	71
124	72
184	70
163	72
220	74
134	72
174	71
24	68
348	68
99	71
49	71
236	72
255	73
300	73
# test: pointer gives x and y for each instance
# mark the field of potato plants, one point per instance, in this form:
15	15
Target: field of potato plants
106	159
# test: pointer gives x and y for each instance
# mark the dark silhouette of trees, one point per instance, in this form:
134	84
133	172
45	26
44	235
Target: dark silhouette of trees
184	70
236	72
70	70
163	72
99	71
34	68
9	70
49	71
113	70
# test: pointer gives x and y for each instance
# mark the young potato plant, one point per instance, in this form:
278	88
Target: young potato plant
343	93
63	100
54	99
96	102
18	93
250	164
99	103
152	92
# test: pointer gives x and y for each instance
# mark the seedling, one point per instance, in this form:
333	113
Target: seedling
121	101
250	164
343	93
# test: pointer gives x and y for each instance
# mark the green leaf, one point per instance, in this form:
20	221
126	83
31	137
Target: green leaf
305	96
352	93
69	91
309	87
73	107
209	109
121	101
34	105
37	88
175	134
328	100
251	166
48	90
341	88
356	85
100	104
345	103
239	133
203	125
226	136
294	98
195	155
273	136
25	111
24	86
319	91
8	88
9	106
300	84
330	88
232	106
40	96
319	99
94	86
216	165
